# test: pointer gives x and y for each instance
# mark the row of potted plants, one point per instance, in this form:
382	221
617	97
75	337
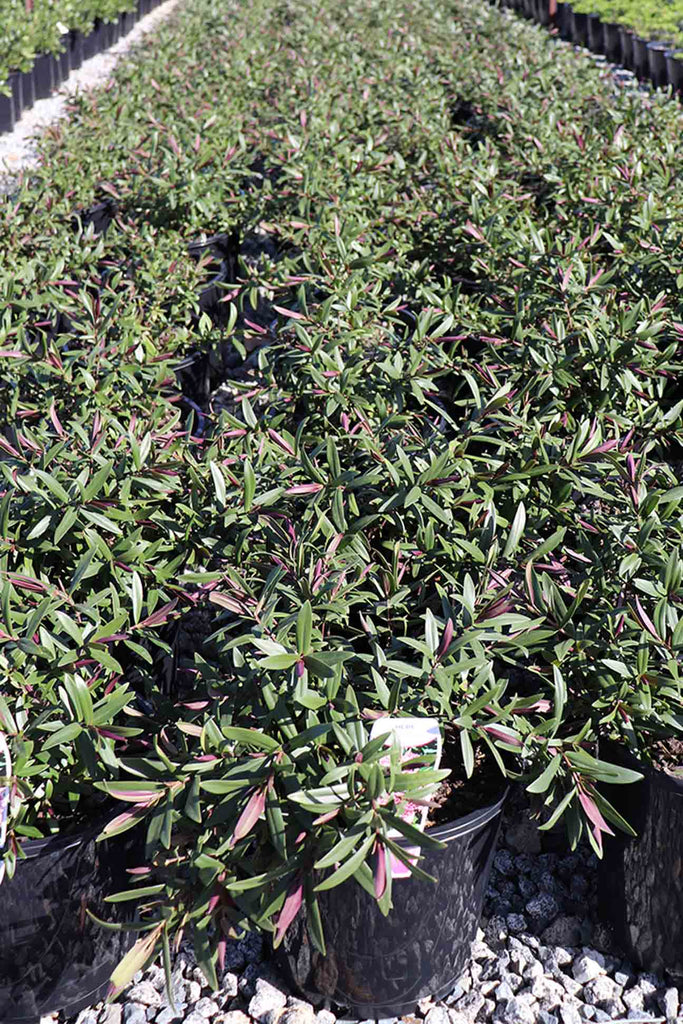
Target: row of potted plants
651	60
27	75
646	17
425	469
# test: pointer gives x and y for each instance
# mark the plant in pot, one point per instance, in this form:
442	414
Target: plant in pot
622	670
374	577
91	528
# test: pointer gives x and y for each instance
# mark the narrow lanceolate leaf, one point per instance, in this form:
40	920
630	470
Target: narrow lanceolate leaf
380	872
290	909
249	485
218	483
542	783
645	621
136	959
347	868
304	627
516	531
253	810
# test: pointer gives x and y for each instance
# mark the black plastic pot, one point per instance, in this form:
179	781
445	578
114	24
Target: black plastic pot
596	36
674	69
11	106
543	12
641	880
75	49
641	63
627	37
94	42
64	57
579	28
52	955
611	41
43	75
656	57
563	20
380	966
28	90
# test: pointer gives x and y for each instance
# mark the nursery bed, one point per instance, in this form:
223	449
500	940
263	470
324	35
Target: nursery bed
292	248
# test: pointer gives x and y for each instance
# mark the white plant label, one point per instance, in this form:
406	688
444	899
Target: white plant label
417	737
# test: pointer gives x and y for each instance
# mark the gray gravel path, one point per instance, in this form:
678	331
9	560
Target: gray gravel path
17	148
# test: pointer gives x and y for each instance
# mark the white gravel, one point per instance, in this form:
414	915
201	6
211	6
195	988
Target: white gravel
17	148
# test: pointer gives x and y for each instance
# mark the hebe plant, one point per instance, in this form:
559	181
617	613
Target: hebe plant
446	484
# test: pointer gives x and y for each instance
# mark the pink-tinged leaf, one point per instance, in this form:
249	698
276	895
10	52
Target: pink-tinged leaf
539	705
161	615
592	812
134	960
304	489
56	421
290	908
225	601
289	313
7	447
446	638
645	621
499	732
328	816
471	229
380	872
26	583
222	950
631	466
279	440
255	327
253	810
9	353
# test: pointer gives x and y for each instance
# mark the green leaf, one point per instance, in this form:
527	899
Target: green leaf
304	627
542	783
347	868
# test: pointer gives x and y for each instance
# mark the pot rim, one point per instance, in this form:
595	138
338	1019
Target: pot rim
460	827
656	776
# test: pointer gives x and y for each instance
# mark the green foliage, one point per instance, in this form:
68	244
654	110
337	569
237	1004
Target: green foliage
422	457
26	33
649	19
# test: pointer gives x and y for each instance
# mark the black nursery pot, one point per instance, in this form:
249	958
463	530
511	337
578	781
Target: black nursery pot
95	41
656	57
11	106
380	966
28	89
64	57
674	69
641	63
563	20
43	75
52	955
75	49
543	12
596	36
627	39
611	40
641	880
579	28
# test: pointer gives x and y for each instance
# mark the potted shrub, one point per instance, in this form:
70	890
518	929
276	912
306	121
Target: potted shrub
87	542
623	675
359	589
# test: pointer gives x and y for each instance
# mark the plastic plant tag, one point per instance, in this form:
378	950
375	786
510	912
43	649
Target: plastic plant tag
5	776
420	742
